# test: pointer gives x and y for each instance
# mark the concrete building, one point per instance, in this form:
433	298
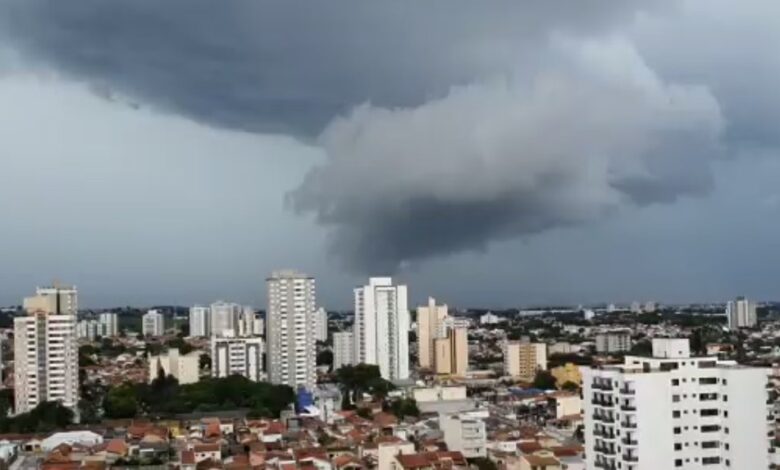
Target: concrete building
522	359
429	319
388	449
343	349
87	329
183	367
490	319
451	354
741	313
673	411
618	341
153	323
465	432
321	324
237	356
61	300
290	329
382	326
225	317
46	364
109	324
200	321
250	323
650	306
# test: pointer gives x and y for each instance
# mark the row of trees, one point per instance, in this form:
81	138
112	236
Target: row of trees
165	396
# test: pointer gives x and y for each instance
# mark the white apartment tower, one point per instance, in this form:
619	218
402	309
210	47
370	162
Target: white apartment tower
153	323
321	320
675	411
200	321
237	356
225	318
741	313
382	326
343	349
290	329
45	350
109	324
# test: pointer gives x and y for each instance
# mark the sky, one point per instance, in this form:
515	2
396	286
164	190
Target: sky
491	154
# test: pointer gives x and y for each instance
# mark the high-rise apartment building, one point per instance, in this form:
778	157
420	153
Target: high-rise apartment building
109	324
290	329
451	353
153	323
615	341
200	321
429	320
321	324
522	359
675	411
225	318
343	349
248	323
237	356
741	313
381	331
87	329
45	350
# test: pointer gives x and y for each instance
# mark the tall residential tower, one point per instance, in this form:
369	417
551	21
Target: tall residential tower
290	329
381	331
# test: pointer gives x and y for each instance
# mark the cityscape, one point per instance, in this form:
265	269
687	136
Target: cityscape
389	235
388	385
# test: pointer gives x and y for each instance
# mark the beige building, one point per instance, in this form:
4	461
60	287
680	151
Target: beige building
429	319
389	448
522	359
184	368
451	354
45	350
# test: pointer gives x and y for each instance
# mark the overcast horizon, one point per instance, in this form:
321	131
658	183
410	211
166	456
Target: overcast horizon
496	154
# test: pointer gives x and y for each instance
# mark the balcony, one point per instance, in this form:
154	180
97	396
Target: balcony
630	458
601	402
629	442
628	424
627	391
605	386
627	407
603	418
605	450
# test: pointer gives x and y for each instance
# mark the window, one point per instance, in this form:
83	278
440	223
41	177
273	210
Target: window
710	444
675	382
676	414
708	380
677	446
709	412
677	430
678	462
675	398
710	460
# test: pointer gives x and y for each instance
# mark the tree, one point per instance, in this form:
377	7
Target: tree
404	407
570	386
361	378
483	463
122	402
544	380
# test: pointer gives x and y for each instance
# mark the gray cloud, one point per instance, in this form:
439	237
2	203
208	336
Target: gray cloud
592	130
288	65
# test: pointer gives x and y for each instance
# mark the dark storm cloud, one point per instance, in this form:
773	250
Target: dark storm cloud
448	124
287	65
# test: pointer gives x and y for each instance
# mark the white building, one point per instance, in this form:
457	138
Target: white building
490	319
225	318
674	411
87	329
741	313
343	349
153	323
183	367
382	326
237	356
613	341
250	323
321	324
290	329
200	321
109	324
46	366
465	432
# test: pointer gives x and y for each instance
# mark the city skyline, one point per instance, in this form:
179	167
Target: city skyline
164	187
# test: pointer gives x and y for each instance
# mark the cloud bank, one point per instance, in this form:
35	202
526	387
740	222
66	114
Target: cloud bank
590	132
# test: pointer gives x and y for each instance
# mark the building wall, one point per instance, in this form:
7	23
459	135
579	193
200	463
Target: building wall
237	356
429	318
523	359
185	368
387	452
45	360
342	349
200	321
381	327
290	325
